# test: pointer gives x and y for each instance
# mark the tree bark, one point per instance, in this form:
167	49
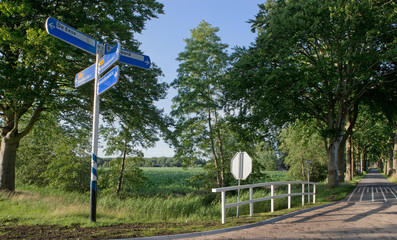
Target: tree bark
216	163
341	161
10	138
220	145
8	155
389	158
332	163
395	156
349	162
119	184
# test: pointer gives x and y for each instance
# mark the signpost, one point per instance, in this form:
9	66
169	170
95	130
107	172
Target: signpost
132	58
109	80
111	57
241	168
85	76
102	63
70	35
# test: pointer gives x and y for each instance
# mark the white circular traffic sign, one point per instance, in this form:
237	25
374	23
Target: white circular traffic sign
241	165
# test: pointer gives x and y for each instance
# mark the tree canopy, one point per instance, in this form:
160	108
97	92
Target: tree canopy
37	70
314	60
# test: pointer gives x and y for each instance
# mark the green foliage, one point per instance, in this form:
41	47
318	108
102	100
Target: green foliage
164	162
171	181
266	156
133	177
197	106
52	155
302	143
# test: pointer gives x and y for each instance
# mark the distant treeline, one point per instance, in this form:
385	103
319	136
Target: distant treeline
153	162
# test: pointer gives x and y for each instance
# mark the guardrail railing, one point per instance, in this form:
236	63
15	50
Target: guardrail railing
251	200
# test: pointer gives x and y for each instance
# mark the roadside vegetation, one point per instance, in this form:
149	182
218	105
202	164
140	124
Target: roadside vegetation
175	210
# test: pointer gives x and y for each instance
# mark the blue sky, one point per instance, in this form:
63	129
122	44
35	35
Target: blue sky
162	38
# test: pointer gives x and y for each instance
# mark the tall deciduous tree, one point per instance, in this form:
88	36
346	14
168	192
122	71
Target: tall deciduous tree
315	59
197	105
37	70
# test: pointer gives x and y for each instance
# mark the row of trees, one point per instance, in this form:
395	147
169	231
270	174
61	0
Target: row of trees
319	74
322	63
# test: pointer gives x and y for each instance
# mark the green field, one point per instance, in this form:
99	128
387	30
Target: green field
169	180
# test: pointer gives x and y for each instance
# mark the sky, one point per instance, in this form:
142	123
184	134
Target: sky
162	39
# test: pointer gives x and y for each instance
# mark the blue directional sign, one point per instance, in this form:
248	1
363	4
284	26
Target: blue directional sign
70	35
109	80
111	57
131	58
85	76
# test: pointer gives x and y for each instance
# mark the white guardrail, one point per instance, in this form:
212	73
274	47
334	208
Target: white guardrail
251	201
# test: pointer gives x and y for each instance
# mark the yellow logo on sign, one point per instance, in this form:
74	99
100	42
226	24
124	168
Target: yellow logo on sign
80	75
101	62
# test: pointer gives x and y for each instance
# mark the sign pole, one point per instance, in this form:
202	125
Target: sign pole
241	159
95	124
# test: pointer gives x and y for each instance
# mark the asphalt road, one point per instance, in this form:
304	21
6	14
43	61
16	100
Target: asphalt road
374	188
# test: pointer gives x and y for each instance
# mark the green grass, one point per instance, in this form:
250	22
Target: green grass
167	181
31	205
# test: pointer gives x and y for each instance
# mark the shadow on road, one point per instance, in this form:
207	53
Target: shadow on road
323	213
366	214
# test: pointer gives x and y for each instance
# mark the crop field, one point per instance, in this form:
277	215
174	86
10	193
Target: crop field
168	180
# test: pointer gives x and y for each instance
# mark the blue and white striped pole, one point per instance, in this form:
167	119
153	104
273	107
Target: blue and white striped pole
95	124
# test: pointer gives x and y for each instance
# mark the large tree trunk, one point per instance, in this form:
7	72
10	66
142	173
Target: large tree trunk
341	161
8	155
349	162
10	137
395	156
333	163
389	158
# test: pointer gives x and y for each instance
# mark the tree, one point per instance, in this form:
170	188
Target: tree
37	70
266	156
54	155
314	60
300	142
197	105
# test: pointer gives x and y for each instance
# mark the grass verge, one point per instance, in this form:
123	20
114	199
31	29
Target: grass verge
34	210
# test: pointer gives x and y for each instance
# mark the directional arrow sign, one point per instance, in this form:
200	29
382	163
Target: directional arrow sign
132	58
111	57
109	80
84	76
70	35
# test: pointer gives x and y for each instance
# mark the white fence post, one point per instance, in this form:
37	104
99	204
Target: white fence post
272	200
314	193
303	195
251	203
223	199
289	196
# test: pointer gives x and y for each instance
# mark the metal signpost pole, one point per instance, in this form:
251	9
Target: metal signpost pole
95	124
241	160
